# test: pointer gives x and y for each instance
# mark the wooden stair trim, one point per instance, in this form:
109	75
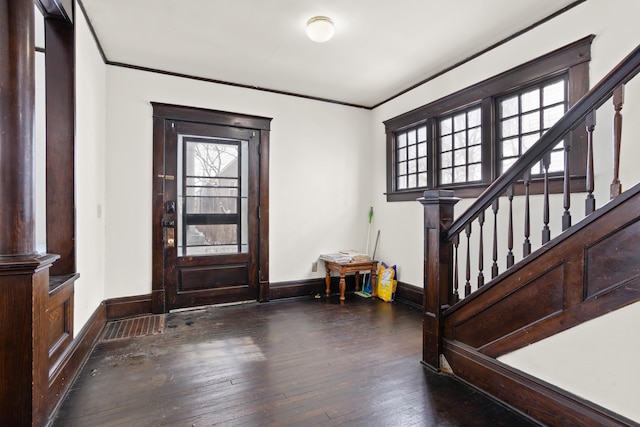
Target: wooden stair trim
558	268
533	397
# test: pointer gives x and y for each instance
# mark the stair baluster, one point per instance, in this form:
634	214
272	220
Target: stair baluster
546	232
494	267
467	286
618	101
566	217
481	252
526	246
590	202
456	242
510	259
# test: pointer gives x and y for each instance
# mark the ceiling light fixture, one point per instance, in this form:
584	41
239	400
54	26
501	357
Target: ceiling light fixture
320	29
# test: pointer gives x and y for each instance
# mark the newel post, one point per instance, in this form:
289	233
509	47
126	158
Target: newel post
438	271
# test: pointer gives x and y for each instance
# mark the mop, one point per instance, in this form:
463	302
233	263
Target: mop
366	289
361	292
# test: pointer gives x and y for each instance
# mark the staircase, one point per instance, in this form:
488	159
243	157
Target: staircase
587	270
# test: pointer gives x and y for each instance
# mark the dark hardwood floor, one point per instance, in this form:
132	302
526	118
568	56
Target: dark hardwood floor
299	362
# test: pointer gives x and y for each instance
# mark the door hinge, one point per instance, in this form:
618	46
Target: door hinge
259	212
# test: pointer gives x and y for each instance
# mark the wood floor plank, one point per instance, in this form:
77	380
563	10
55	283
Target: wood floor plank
299	362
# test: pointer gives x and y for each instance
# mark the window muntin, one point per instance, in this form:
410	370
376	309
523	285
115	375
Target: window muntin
524	116
411	152
460	147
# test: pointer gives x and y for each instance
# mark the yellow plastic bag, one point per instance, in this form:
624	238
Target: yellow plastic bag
386	284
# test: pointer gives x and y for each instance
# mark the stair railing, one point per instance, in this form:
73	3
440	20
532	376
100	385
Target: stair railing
443	266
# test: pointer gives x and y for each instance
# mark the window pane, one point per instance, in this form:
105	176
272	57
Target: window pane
553	94
552	115
509	107
528	141
473	117
530	100
446	159
412	166
411	183
475	172
411	152
446	176
460	157
402	182
509	127
530	122
506	164
475	136
422	133
460	139
460	174
402	168
459	122
402	154
445	126
511	147
422	149
422	180
411	137
445	143
475	154
422	164
402	140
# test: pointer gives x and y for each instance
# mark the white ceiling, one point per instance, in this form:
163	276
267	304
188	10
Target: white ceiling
379	49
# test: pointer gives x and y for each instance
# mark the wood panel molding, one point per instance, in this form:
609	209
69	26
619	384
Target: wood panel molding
409	294
74	358
535	398
558	287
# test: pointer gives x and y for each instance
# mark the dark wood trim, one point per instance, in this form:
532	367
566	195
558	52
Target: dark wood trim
93	32
61	10
314	98
123	307
482	52
535	398
296	288
239	85
212	117
74	358
409	294
60	139
542	67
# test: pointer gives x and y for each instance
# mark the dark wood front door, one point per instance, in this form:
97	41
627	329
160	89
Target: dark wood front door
210	195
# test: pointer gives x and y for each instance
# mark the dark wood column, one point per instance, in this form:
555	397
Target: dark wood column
438	269
24	274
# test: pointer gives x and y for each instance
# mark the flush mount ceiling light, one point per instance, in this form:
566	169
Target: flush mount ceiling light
320	29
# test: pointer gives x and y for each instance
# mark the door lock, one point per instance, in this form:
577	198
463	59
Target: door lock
169	232
170	207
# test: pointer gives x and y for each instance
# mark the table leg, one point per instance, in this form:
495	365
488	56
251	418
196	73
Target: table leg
374	280
343	286
327	281
357	281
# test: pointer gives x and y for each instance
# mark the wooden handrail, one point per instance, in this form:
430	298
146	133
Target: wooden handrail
621	74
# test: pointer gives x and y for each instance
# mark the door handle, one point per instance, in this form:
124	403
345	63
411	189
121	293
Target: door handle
169	232
170	207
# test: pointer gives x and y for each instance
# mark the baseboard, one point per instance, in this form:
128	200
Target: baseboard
120	308
74	358
306	287
409	294
533	397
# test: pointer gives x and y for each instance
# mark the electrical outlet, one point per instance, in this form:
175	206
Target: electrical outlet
314	266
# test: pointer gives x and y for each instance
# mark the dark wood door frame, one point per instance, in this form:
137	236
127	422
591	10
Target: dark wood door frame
167	112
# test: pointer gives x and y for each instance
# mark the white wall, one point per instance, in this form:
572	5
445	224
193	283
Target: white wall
596	360
90	174
319	173
611	368
616	36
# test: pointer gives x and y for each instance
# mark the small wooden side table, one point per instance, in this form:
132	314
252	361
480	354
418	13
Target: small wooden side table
351	267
